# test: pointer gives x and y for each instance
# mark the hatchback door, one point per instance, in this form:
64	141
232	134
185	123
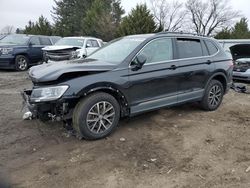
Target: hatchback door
195	67
155	84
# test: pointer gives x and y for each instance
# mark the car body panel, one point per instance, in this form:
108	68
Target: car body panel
242	69
32	52
151	87
64	52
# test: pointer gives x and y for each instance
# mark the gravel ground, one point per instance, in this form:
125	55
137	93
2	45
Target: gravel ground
180	147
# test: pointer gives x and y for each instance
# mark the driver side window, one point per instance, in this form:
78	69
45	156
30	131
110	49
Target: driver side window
89	44
158	50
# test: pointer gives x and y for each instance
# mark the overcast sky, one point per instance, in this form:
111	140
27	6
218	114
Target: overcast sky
19	12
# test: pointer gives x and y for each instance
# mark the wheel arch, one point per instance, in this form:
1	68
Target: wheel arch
110	89
24	54
221	77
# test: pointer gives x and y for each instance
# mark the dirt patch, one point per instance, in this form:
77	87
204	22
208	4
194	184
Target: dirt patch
177	147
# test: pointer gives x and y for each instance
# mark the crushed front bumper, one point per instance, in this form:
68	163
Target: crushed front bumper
244	76
61	109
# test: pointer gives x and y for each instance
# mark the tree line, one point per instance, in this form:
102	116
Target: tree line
106	19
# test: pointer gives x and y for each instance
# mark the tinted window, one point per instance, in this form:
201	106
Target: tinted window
188	48
34	41
94	43
45	41
211	48
158	50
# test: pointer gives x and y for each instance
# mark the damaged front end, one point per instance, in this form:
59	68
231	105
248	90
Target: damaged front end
55	92
56	55
48	106
242	69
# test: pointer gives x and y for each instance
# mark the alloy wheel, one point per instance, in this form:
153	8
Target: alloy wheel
100	117
22	63
215	95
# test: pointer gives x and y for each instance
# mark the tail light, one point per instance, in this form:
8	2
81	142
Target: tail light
231	64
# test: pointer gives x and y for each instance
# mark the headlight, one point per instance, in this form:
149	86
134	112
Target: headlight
75	54
5	51
48	93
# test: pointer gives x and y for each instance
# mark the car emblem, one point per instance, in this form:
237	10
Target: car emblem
238	70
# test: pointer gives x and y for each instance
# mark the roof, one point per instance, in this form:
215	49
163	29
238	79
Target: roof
182	34
82	37
170	34
34	35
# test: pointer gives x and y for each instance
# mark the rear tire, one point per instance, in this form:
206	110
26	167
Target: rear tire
213	96
21	63
96	116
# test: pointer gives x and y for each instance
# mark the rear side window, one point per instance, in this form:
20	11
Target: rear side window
188	48
45	41
34	41
158	50
212	49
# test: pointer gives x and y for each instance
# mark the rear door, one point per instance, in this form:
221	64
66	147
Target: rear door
195	67
155	84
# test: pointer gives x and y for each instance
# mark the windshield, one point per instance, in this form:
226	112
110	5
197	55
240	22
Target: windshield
15	39
116	51
70	42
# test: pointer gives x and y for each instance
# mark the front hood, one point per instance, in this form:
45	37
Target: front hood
53	71
64	47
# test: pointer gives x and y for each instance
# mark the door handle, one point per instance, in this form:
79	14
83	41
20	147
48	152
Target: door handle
173	67
209	62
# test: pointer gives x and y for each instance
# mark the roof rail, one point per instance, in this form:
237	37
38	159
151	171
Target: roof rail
181	32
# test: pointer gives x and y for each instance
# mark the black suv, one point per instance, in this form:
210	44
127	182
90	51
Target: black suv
18	51
128	76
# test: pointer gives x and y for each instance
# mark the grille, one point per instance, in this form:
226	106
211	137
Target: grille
59	55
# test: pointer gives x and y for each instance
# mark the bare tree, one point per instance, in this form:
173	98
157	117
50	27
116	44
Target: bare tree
211	15
168	15
8	29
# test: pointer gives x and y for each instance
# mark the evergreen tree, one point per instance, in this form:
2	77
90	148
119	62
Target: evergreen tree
68	14
103	19
139	21
224	34
41	27
240	30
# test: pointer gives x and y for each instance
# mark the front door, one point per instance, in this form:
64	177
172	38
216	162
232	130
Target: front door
155	84
35	50
91	46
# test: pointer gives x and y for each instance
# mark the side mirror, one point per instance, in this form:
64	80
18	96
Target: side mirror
88	45
139	62
30	44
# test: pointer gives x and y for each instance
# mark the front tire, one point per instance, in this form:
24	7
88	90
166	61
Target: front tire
213	96
21	63
96	116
